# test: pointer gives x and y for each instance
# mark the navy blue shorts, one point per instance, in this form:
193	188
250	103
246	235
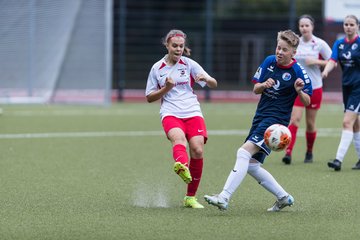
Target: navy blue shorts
256	135
351	98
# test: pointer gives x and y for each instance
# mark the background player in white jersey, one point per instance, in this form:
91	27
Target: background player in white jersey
346	51
171	79
279	80
312	54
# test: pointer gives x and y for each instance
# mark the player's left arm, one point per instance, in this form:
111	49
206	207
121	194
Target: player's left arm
200	75
324	55
314	61
210	81
299	86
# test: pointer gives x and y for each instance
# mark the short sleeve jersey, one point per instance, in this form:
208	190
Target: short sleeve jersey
348	55
316	48
277	101
181	100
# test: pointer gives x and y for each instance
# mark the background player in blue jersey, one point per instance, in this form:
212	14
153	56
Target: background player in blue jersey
346	51
279	80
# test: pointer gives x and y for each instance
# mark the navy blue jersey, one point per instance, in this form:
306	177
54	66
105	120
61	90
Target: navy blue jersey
348	55
277	102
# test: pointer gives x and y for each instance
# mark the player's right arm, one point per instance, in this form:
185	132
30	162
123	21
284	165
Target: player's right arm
331	64
155	89
260	87
156	95
259	77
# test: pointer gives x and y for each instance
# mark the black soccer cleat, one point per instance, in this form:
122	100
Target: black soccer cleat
356	166
287	159
308	157
335	164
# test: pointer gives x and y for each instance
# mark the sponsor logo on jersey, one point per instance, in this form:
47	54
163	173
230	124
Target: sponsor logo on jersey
286	76
271	68
341	46
347	55
181	83
277	85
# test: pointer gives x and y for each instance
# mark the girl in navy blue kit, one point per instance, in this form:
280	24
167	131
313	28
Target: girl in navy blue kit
279	80
346	51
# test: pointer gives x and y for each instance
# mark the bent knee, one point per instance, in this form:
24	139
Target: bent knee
253	167
197	152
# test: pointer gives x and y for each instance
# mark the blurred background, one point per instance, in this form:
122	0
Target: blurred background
101	51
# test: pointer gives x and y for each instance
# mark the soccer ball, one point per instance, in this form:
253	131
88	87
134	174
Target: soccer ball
277	137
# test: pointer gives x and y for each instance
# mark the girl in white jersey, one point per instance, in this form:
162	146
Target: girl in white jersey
312	53
171	79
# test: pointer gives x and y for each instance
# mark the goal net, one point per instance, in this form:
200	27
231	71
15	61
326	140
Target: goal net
55	51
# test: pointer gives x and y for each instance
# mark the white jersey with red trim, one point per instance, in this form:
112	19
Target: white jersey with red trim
180	101
315	48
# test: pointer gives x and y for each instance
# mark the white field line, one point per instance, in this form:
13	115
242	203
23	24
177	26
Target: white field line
322	132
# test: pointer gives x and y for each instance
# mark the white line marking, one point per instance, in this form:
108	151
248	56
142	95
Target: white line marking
322	132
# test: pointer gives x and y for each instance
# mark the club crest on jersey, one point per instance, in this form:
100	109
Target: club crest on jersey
182	72
286	76
354	46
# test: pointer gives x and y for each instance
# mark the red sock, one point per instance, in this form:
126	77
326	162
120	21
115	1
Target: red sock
180	154
293	129
196	167
310	139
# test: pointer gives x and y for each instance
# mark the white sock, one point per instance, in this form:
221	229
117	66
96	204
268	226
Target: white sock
237	175
265	179
357	143
346	138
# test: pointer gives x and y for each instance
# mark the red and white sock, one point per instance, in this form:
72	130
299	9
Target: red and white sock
195	167
310	140
293	129
180	154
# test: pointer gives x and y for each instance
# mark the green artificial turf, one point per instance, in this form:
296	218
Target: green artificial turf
85	172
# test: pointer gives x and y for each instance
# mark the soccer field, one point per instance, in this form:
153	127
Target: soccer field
85	172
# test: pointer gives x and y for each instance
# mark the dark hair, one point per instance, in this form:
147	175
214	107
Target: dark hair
308	17
353	17
176	33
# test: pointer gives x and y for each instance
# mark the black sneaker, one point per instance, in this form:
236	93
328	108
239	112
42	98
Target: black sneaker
308	157
356	166
287	159
336	165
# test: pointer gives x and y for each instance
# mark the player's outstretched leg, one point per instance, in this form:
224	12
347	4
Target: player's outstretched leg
281	203
335	164
183	172
217	201
191	202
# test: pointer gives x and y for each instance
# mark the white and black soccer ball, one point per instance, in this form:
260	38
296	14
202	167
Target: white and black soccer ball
277	137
